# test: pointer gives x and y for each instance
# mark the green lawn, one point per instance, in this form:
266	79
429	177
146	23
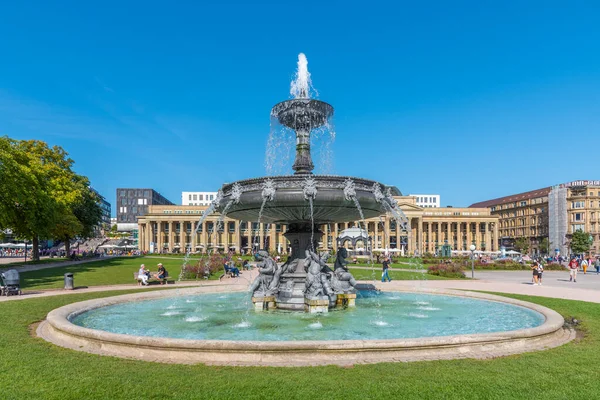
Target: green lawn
30	368
18	262
108	271
366	274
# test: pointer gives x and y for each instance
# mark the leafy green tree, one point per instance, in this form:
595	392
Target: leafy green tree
40	195
545	245
522	244
580	242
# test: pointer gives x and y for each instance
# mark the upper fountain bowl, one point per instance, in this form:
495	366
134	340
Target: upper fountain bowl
302	114
289	204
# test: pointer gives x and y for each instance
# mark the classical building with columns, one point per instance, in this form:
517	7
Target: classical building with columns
172	229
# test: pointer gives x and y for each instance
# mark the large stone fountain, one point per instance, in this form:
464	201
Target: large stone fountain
304	201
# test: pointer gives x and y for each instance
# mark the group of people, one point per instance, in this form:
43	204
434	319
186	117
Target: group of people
577	263
538	270
144	274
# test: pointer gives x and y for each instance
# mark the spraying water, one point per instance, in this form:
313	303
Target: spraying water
300	87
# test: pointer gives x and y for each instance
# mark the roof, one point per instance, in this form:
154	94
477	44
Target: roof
512	198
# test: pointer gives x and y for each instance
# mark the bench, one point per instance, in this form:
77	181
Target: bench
227	274
152	279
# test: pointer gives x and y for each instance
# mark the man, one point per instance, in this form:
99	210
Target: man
597	265
162	274
573	267
385	275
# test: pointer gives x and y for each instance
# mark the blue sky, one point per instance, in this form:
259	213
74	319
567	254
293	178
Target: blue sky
470	100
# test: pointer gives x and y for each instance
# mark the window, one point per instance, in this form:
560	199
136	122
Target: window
578	216
434	200
195	197
190	197
140	202
523	203
211	197
425	198
577	204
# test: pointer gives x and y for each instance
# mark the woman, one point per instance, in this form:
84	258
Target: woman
143	275
535	273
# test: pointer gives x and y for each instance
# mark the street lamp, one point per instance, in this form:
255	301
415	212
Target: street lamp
472	248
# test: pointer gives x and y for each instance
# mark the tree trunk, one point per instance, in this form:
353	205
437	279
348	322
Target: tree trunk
35	248
68	247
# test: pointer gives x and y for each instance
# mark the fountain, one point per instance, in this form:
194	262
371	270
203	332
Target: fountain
214	324
303	201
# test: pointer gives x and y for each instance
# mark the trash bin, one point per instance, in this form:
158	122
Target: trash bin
69	281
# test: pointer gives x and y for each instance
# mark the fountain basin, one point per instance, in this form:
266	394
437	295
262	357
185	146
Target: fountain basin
59	329
289	204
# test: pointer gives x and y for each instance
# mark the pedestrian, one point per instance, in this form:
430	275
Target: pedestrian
584	265
534	268
573	267
540	269
385	273
597	265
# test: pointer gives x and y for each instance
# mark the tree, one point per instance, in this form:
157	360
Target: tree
522	244
545	245
40	195
580	242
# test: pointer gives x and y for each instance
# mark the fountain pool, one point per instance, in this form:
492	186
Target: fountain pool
224	316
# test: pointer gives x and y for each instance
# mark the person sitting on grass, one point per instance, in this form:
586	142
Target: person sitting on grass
162	274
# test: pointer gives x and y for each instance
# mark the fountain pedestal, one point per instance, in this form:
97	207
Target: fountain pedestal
318	305
346	300
263	303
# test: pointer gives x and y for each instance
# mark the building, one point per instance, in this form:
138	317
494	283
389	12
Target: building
427	200
173	229
197	198
106	209
548	216
133	203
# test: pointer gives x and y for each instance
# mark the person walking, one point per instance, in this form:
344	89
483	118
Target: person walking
597	265
385	274
534	268
540	269
573	267
584	265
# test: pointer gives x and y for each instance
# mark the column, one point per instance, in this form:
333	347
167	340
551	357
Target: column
204	237
376	244
148	235
487	237
469	242
439	234
194	237
496	237
421	236
159	236
226	233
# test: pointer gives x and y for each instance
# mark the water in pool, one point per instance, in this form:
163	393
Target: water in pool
378	315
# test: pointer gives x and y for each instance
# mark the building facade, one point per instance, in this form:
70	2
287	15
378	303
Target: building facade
106	209
197	198
427	200
549	216
133	203
173	229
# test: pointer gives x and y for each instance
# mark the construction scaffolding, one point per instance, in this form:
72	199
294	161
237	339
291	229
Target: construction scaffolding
557	220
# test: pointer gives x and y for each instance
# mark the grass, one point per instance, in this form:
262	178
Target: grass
367	274
109	271
20	263
30	368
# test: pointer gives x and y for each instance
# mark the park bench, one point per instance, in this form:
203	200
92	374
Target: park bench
152	279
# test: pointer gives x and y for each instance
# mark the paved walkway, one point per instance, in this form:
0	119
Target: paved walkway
555	285
35	267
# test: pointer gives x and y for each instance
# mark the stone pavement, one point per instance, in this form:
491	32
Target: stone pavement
555	284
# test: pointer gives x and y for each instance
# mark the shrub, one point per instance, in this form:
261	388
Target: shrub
553	266
446	270
195	269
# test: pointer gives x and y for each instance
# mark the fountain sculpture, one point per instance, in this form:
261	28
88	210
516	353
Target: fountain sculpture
303	201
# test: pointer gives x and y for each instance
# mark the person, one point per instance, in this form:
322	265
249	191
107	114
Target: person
573	267
229	268
246	265
584	265
597	265
162	273
385	274
143	275
540	269
534	268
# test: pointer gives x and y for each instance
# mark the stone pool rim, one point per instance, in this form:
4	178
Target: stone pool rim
58	329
